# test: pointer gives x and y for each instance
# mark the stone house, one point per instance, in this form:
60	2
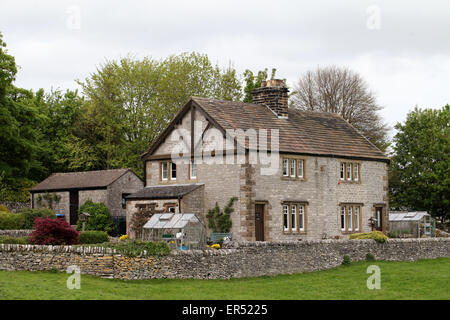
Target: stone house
326	179
66	192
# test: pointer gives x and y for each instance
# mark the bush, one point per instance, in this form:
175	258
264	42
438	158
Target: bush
346	261
220	221
53	231
30	216
4	208
90	237
370	257
11	221
135	248
378	236
13	240
100	217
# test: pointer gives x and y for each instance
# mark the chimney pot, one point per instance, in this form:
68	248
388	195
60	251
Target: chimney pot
273	94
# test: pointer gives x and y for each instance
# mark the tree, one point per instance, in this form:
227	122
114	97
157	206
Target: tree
342	91
99	217
253	82
420	167
129	102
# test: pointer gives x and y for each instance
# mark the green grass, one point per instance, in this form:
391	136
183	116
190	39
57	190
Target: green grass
424	279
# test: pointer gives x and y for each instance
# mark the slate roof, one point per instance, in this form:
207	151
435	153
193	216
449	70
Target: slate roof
165	192
304	132
80	180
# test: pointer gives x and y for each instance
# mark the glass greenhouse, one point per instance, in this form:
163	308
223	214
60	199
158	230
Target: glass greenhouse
182	231
411	224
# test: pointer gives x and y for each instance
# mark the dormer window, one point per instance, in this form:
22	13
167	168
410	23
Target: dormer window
168	170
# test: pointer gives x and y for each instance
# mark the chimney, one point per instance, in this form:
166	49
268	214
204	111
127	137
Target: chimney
274	95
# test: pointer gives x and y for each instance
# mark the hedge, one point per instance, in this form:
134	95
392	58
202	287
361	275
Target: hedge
11	221
378	236
91	237
14	240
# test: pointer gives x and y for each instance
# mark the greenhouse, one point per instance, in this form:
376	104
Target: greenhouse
182	231
411	224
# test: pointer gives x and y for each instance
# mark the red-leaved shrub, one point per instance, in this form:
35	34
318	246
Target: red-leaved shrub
53	231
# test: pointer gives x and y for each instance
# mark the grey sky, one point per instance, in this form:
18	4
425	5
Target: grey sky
406	61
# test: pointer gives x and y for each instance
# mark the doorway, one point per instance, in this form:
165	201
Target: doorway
73	200
379	218
259	222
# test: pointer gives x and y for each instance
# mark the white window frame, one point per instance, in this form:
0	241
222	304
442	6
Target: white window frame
285	168
356	172
166	165
301	218
193	170
343	171
343	221
292	168
300	168
357	213
172	164
286	217
349	218
294	217
349	171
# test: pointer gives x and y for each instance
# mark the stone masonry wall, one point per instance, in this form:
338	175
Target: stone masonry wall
245	259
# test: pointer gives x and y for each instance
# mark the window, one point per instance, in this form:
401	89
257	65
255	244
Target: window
293	168
350	217
286	218
124	201
294	217
300	168
173	171
168	169
164	170
192	170
349	171
285	167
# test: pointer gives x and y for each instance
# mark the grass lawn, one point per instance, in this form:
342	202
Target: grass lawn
424	279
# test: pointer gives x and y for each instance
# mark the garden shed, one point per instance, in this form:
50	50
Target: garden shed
411	224
182	231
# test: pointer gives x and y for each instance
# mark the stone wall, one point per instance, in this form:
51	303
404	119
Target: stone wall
244	259
16	206
127	184
15	233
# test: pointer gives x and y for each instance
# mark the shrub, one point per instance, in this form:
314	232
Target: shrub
346	261
11	221
135	248
220	221
4	208
90	237
99	219
13	240
370	257
123	238
30	216
378	236
53	231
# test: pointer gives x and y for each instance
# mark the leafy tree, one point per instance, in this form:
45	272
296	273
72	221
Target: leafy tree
420	167
220	221
342	91
253	82
48	231
99	219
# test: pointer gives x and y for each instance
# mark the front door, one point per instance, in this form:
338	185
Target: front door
379	217
259	222
73	207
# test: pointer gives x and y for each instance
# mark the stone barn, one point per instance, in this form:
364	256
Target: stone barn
66	192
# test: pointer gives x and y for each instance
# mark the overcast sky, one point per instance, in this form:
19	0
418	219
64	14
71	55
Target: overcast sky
401	48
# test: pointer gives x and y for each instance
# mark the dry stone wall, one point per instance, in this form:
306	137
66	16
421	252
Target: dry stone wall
239	259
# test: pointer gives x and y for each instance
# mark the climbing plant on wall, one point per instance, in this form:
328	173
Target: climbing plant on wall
220	221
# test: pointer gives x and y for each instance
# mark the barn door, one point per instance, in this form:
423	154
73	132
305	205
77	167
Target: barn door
259	222
73	207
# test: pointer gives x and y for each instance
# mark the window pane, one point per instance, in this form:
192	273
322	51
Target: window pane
355	171
294	217
343	218
349	171
164	170
357	218
301	217
293	167
349	222
285	167
300	168
285	218
193	169
173	174
342	171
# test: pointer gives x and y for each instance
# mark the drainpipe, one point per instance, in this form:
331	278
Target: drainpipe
179	204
